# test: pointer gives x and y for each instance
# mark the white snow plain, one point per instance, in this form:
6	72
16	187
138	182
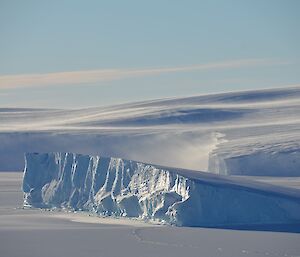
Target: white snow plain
241	133
35	233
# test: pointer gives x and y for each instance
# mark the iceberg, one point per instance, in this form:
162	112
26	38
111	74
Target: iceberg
125	188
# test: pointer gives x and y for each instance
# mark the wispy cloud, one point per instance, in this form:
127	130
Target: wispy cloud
94	76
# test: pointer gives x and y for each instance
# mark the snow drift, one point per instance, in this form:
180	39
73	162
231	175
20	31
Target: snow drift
117	187
260	132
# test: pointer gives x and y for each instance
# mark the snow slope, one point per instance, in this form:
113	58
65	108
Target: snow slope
118	187
253	133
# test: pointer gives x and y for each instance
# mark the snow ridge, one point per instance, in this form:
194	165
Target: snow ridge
118	187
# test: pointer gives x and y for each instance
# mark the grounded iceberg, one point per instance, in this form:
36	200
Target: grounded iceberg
118	187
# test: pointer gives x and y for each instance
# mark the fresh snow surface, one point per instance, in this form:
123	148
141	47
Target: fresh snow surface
33	232
118	187
250	133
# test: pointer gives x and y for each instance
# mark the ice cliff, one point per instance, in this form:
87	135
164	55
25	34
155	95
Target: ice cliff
117	187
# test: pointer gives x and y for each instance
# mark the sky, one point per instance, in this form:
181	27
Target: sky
76	54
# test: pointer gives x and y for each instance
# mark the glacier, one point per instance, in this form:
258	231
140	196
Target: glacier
124	188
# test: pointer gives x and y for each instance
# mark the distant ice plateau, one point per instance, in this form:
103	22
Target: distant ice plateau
252	133
124	188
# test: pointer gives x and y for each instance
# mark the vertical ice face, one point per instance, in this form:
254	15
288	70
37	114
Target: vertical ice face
117	187
108	186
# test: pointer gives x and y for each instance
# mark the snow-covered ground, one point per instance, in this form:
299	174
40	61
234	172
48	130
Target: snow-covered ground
241	133
35	233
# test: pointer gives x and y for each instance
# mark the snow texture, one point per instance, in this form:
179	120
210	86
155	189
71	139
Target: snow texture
118	187
252	133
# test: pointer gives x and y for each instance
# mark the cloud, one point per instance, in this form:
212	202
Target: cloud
94	76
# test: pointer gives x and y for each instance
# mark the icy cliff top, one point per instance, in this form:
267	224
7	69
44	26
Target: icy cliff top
118	187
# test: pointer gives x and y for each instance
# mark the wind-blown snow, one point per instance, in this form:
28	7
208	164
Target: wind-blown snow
117	187
237	133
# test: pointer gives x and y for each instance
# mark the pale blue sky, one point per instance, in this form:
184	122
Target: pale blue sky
143	49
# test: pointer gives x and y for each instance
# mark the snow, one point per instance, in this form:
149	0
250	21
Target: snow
247	143
236	133
124	188
35	233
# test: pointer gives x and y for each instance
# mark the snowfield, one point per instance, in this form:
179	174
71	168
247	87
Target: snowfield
253	133
38	232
